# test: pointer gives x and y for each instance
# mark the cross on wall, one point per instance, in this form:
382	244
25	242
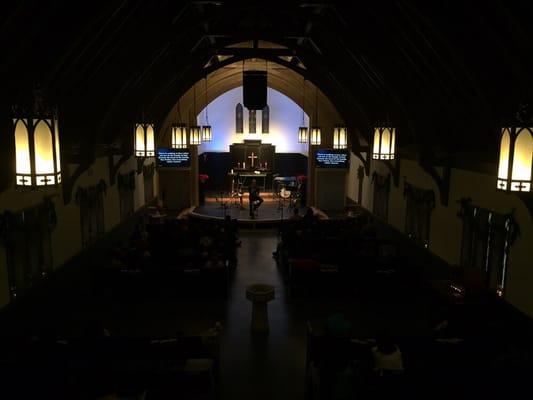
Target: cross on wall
252	157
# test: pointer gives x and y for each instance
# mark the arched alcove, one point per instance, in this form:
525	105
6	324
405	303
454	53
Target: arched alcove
281	79
285	118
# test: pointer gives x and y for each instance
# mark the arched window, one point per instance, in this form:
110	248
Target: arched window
420	204
486	242
265	120
251	121
239	119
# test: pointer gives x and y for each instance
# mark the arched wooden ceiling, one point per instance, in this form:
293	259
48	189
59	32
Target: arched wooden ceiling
447	74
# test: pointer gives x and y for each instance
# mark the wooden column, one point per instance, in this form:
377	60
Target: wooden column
195	199
310	174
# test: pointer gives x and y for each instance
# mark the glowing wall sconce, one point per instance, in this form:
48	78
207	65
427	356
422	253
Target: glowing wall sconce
340	137
384	144
37	150
179	136
144	140
516	159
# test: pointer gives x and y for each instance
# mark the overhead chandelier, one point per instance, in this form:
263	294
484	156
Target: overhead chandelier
303	131
340	137
384	143
207	134
37	148
144	139
516	159
195	131
316	131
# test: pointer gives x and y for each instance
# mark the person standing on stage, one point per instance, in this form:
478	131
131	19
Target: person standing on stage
254	199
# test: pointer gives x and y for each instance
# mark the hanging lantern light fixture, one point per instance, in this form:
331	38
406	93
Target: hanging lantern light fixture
179	132
207	134
144	139
515	167
303	131
195	135
384	143
179	136
316	131
37	148
316	136
340	137
195	131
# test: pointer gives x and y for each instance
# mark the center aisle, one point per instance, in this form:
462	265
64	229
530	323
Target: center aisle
252	367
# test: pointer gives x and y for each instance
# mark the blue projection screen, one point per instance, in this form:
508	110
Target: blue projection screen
173	158
327	158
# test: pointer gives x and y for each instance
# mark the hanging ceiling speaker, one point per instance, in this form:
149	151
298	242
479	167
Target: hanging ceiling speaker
254	89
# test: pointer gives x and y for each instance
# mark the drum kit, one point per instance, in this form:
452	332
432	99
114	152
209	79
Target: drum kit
287	190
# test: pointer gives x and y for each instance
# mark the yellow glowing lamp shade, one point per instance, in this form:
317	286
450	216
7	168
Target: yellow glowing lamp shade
44	153
37	161
23	164
207	133
303	133
150	141
340	137
179	137
144	140
515	167
58	158
316	136
195	136
384	144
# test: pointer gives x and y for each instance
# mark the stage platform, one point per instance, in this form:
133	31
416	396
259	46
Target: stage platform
271	213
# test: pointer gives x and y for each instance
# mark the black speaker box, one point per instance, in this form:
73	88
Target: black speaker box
254	89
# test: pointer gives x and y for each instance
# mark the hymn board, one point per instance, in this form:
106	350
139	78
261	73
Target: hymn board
253	155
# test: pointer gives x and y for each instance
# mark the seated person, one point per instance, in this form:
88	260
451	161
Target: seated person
369	230
309	217
254	198
386	356
337	325
445	330
295	215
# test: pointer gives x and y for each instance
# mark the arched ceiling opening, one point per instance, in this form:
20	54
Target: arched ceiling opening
226	78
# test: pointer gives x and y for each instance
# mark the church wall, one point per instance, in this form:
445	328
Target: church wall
351	180
446	226
331	190
285	118
66	237
171	187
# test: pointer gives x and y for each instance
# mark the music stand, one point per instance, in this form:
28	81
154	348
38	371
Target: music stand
237	194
